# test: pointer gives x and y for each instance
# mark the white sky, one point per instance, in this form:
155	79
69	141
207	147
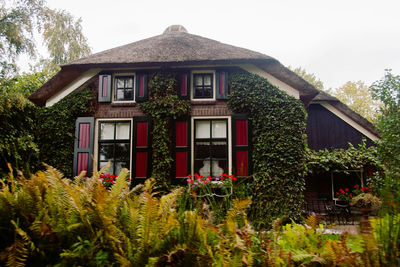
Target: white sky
338	40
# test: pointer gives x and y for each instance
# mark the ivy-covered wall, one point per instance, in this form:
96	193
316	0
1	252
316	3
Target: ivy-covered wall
279	146
56	129
163	107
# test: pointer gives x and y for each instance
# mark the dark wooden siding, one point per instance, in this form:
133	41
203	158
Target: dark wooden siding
326	130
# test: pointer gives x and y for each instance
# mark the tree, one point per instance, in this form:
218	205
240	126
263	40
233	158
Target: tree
61	33
357	95
387	90
309	77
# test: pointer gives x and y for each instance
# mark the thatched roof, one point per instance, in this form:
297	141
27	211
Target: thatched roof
175	47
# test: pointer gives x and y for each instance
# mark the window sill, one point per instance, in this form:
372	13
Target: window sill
124	104
203	102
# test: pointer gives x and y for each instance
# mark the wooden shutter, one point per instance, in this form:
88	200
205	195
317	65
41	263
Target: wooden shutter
105	88
184	85
221	84
141	87
83	145
182	144
241	145
141	158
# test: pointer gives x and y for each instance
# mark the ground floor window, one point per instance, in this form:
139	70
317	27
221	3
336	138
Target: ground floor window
211	147
346	181
114	145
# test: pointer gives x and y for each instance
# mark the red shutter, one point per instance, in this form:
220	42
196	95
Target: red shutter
83	147
141	149
222	84
141	87
182	148
104	88
184	85
241	145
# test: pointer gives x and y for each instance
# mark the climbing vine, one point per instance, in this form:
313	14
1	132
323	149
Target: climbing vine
56	129
279	146
163	107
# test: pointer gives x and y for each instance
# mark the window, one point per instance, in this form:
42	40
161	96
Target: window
203	85
124	88
343	180
114	145
211	147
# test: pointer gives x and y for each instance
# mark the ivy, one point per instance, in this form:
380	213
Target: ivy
56	129
353	158
163	107
279	146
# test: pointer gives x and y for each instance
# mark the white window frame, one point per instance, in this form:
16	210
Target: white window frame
213	72
351	189
229	122
119	74
96	140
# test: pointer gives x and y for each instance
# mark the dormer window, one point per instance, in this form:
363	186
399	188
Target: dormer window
124	88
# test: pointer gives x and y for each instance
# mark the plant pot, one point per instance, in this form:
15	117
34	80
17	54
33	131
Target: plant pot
364	222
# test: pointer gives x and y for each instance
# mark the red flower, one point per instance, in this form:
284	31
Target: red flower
387	201
209	178
234	179
108	175
102	176
337	193
351	195
346	189
189	176
367	188
356	186
205	182
113	176
392	204
106	180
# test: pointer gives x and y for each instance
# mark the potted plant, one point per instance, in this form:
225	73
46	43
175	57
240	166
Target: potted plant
366	202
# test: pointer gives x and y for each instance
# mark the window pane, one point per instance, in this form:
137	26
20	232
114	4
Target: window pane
119	166
207	80
219	150
218	129
129	83
106	152
123	130
219	167
202	167
111	168
202	129
120	82
106	131
122	152
120	94
198	80
202	150
128	94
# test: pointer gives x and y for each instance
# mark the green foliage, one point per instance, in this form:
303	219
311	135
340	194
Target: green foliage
49	220
309	77
24	83
163	106
387	91
353	158
17	144
279	145
20	20
387	234
56	129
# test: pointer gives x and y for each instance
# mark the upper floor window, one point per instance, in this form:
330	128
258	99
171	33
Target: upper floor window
124	88
203	85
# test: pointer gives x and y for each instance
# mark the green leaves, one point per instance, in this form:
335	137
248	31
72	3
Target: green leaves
279	145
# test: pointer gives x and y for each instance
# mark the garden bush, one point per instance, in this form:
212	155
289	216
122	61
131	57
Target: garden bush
52	220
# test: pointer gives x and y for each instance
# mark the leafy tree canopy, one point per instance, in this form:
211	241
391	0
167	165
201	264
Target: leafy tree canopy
357	95
309	77
20	20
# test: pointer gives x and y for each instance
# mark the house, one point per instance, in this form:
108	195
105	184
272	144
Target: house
119	130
